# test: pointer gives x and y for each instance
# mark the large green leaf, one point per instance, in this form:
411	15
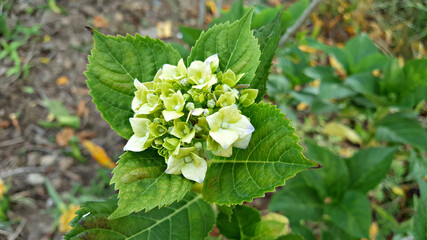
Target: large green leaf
352	214
402	129
191	218
297	201
368	167
241	224
360	47
420	218
114	63
143	184
332	179
235	44
272	156
268	38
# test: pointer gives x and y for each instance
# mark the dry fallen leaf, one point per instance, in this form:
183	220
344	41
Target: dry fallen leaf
341	130
373	231
3	189
62	80
64	136
315	83
82	109
164	29
66	217
44	60
274	3
14	119
339	69
85	135
99	154
99	21
4	124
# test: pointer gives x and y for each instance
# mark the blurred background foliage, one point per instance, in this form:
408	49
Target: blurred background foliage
353	79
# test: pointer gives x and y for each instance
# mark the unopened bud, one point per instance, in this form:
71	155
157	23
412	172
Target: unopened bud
205	112
211	103
197	128
198	145
186	96
189	106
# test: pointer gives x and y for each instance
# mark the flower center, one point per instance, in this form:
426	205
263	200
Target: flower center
188	159
224	125
177	107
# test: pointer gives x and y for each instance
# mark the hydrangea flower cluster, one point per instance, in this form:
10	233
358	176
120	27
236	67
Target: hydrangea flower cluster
184	110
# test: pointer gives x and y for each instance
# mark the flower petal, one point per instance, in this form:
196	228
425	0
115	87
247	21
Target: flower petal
170	115
193	172
243	142
139	126
243	127
224	137
136	144
174	165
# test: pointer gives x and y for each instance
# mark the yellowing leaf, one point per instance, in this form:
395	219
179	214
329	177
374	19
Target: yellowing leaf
340	130
211	6
339	69
307	49
164	29
398	191
46	38
373	231
99	154
301	106
315	83
3	189
62	80
66	218
44	60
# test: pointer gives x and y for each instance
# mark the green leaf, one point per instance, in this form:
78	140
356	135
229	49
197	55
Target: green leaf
242	224
190	35
183	51
268	38
235	44
420	217
393	82
297	201
402	129
61	114
341	130
352	214
291	236
191	218
272	156
368	167
143	183
272	226
295	10
332	179
114	63
360	47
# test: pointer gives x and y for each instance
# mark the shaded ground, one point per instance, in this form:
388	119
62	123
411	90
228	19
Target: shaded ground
29	152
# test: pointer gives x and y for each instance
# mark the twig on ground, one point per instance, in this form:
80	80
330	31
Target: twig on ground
22	170
18	230
293	29
11	142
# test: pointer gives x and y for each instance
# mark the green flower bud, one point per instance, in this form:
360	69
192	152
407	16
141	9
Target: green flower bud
182	130
198	145
226	99
211	103
186	96
247	97
172	145
189	106
230	78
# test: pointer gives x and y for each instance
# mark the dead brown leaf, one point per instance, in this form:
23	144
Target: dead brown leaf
14	119
100	22
4	124
86	134
64	136
82	109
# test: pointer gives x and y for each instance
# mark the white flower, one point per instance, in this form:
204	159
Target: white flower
187	163
171	72
228	127
200	73
140	139
146	100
